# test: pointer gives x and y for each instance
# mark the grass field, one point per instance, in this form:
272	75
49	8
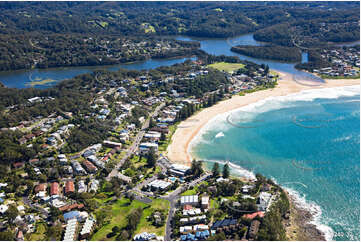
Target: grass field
163	145
119	212
39	234
146	226
228	67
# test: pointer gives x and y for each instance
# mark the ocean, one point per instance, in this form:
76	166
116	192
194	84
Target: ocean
308	142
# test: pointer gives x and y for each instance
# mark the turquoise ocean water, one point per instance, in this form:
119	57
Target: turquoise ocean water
307	142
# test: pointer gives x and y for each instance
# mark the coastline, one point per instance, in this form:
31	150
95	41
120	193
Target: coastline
178	151
299	226
303	223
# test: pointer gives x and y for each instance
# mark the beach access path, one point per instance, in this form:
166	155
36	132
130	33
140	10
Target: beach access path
178	150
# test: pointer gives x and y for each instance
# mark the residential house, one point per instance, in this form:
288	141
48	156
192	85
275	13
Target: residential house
54	189
189	200
93	185
70	230
112	144
263	201
78	168
87	227
81	187
253	215
144	148
89	166
253	230
205	202
18	165
69	187
40	187
225	225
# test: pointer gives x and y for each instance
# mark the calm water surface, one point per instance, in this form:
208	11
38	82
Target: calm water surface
21	79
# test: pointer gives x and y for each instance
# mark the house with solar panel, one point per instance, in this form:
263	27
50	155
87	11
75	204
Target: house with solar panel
225	225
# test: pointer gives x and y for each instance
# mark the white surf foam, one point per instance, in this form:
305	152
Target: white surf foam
219	122
343	138
236	169
219	135
301	202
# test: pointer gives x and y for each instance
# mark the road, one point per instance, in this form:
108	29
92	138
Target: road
173	202
135	144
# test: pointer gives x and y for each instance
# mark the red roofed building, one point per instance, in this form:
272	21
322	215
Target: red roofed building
38	133
187	207
29	136
71	207
69	187
18	165
253	215
33	161
105	158
54	189
89	166
41	187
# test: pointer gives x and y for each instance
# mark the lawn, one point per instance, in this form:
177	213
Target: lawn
194	191
119	212
39	234
190	192
163	145
103	24
148	28
145	226
228	67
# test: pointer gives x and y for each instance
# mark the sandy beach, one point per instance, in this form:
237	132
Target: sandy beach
177	152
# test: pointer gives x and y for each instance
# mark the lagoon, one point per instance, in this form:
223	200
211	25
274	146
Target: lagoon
22	78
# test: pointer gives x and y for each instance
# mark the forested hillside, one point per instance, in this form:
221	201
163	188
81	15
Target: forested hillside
54	34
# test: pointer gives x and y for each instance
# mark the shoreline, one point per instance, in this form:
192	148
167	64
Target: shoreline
302	224
299	226
179	149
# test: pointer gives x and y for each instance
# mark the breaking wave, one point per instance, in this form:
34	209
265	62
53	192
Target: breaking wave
315	210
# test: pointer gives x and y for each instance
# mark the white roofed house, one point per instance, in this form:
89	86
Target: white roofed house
159	185
263	201
78	169
205	202
247	188
96	161
34	99
70	230
189	200
81	187
144	148
87	227
152	135
178	170
94	185
3	208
